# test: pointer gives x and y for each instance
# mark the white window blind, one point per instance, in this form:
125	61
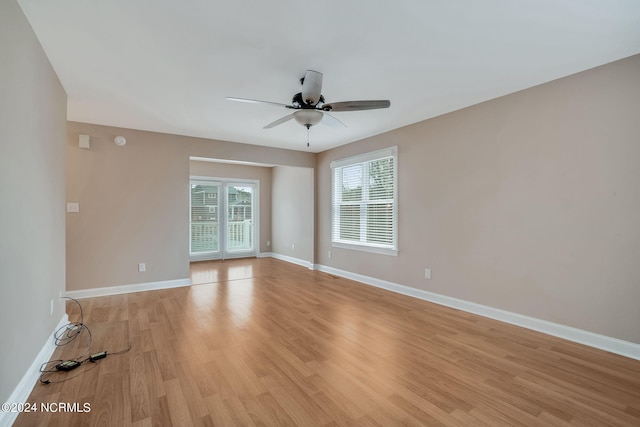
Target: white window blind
364	202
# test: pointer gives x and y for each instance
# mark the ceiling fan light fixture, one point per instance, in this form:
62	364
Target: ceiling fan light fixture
308	117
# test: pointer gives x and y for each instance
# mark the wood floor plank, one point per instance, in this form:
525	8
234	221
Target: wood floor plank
220	413
265	410
262	342
183	412
138	395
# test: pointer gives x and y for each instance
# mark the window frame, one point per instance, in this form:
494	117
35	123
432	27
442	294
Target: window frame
363	159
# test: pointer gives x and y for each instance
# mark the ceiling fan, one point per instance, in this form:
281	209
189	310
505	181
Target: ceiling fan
310	105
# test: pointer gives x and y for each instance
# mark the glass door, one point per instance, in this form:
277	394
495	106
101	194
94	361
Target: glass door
240	213
223	219
205	221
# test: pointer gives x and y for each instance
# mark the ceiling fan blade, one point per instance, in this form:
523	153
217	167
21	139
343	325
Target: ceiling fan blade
330	120
312	87
257	101
279	121
356	105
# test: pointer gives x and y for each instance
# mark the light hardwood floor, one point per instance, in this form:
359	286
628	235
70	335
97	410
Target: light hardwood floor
261	342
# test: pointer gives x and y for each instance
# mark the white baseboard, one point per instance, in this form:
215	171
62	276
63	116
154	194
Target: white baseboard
127	289
25	386
602	342
264	255
293	260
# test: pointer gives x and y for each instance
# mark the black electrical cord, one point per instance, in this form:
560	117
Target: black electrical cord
63	336
70	331
67	333
123	350
46	374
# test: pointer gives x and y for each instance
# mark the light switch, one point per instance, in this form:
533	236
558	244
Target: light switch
73	207
83	141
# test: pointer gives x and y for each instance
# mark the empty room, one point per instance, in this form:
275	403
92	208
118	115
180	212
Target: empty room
320	213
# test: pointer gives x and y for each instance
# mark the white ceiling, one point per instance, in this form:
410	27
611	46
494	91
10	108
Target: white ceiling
167	65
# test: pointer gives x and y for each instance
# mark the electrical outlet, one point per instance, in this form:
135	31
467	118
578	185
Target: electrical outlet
51	306
142	267
329	254
268	242
427	273
293	247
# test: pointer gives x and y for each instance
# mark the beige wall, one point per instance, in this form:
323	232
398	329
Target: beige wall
32	134
134	208
528	203
293	213
235	171
134	202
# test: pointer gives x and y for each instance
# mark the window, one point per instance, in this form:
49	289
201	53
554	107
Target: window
364	202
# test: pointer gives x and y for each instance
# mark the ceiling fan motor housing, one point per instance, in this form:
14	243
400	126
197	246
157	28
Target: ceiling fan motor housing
298	102
311	87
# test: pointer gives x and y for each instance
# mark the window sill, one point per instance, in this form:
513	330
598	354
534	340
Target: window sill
365	248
